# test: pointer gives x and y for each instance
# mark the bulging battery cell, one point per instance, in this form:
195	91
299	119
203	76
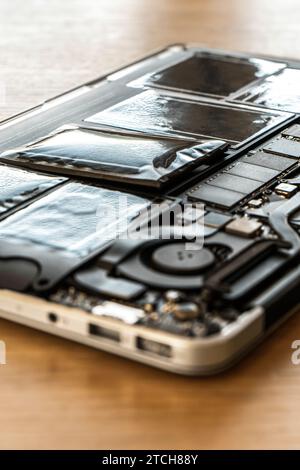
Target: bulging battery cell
213	74
74	219
19	186
148	161
153	112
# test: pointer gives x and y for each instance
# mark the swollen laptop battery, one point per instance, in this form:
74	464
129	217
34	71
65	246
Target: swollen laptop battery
154	213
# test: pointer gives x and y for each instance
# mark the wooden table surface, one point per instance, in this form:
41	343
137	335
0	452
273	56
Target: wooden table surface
58	394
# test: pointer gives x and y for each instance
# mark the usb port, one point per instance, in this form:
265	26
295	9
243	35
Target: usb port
101	332
153	347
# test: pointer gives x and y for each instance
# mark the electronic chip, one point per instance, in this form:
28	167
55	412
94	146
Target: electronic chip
225	190
293	131
243	227
214	195
216	219
238	183
268	160
286	189
286	147
255	203
253	172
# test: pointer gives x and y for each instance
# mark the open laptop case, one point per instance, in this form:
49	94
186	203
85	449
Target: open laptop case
155	212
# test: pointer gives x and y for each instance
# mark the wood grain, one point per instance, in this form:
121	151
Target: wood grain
56	394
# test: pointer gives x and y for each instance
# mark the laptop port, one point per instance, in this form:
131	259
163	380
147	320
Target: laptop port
102	332
153	347
52	317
